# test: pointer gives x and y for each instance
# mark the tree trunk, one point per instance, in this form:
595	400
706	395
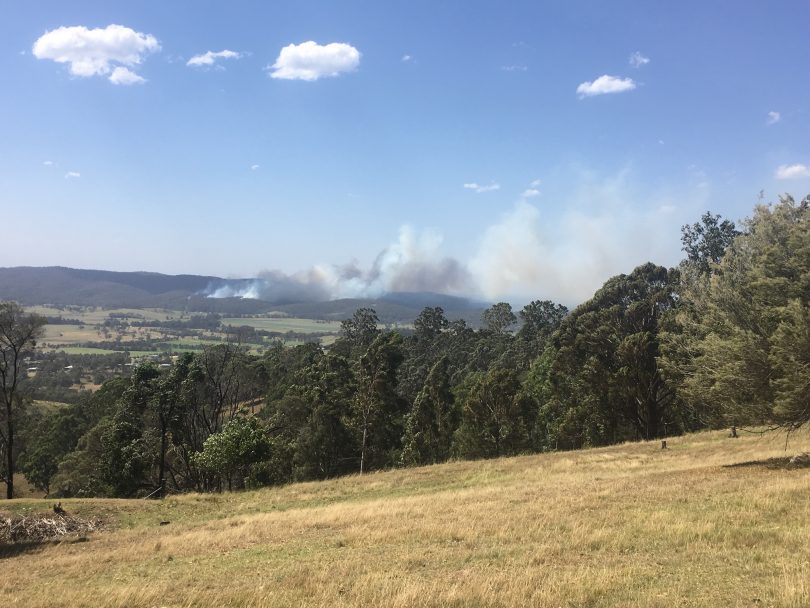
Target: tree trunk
10	453
363	449
653	420
162	474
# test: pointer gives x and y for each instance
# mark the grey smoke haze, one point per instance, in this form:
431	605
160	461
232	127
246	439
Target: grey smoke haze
411	264
531	251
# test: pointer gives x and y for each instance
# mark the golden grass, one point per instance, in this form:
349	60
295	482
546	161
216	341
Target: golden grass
629	525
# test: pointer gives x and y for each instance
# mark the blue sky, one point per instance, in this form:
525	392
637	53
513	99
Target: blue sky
223	169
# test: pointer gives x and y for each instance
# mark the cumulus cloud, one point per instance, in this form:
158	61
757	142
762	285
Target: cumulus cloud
311	61
209	58
406	58
796	171
125	76
254	167
637	60
605	84
97	52
773	118
72	175
478	188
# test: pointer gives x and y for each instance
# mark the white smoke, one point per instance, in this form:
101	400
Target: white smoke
563	252
524	257
412	263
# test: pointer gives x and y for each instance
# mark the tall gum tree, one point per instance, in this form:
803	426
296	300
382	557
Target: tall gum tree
19	333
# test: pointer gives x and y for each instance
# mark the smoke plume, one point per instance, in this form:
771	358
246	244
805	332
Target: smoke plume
563	252
411	264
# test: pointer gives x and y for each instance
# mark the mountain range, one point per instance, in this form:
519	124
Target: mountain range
60	286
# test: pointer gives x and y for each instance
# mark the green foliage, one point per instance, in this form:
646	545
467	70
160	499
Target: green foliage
230	453
492	423
430	424
605	374
78	474
746	346
430	323
325	444
377	408
540	318
357	333
499	317
705	242
19	333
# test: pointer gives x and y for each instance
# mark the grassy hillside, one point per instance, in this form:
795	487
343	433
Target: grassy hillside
708	522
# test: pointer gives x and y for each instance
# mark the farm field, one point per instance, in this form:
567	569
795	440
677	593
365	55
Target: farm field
90	335
97	316
285	324
711	521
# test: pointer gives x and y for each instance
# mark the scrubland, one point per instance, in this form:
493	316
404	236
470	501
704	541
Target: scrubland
711	521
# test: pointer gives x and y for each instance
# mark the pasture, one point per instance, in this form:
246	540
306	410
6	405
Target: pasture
711	521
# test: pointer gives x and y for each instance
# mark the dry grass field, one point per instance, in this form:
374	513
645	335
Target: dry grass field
711	521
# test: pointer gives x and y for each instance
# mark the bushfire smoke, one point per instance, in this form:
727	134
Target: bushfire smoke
411	264
527	253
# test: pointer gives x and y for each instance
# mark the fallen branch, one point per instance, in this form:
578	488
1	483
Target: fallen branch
44	527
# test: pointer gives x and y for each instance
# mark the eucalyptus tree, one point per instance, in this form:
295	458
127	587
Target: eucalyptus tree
606	376
19	333
430	424
748	345
377	408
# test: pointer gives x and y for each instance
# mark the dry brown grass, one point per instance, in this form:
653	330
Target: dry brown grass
629	525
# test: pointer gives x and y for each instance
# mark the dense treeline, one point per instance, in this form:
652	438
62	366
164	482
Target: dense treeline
722	339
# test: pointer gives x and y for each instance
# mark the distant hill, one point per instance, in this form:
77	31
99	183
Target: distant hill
62	286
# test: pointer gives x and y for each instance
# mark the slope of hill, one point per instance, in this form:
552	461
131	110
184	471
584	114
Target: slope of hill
711	521
71	286
60	286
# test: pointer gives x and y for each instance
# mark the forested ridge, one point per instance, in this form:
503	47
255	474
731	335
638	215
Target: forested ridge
722	339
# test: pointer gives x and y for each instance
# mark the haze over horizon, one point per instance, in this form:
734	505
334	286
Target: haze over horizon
505	152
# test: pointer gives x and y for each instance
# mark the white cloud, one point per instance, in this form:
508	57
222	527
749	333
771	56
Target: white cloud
478	188
96	52
796	171
773	118
311	61
514	68
637	60
254	167
406	58
72	175
209	58
533	190
48	163
125	76
605	84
